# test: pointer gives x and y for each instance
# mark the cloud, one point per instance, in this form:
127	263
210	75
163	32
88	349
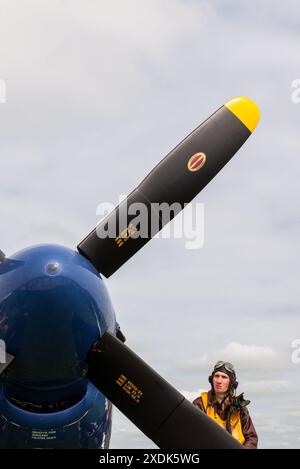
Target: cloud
268	387
252	356
248	358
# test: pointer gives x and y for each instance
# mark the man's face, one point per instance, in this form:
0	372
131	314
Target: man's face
221	382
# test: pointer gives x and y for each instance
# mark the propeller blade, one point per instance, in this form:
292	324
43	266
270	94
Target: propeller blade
150	402
174	182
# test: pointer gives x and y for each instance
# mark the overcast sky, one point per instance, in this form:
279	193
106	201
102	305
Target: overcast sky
97	92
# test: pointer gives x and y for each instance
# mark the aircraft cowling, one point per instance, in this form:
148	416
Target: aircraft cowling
53	306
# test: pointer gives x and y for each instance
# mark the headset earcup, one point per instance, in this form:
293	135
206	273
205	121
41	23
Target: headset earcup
234	385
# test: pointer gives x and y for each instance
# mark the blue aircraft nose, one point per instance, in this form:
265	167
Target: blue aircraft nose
53	307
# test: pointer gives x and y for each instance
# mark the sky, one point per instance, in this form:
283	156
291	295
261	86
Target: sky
96	94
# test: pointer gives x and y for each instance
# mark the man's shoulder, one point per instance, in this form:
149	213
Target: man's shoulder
198	402
245	415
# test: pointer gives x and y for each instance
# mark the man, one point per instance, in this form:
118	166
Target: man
225	408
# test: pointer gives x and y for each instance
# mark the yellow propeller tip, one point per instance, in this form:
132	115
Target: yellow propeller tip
245	110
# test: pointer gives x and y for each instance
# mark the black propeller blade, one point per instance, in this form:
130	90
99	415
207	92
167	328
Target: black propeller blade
150	402
177	179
